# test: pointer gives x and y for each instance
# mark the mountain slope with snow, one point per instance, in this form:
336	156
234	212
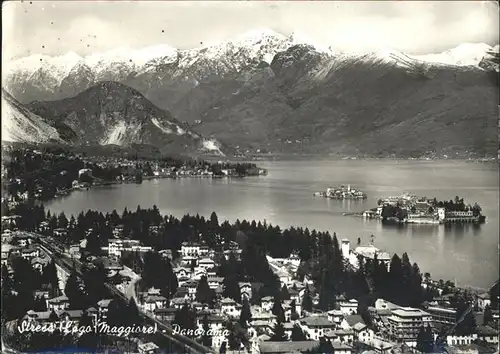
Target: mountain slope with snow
466	54
164	74
112	113
265	91
23	126
374	105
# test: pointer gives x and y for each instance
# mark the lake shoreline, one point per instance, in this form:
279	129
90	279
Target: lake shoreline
283	198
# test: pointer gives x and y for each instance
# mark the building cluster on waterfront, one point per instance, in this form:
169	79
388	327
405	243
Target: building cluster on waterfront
409	208
60	172
342	192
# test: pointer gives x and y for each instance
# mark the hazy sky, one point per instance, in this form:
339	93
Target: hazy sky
56	27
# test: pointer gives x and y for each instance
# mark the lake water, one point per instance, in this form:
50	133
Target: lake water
284	197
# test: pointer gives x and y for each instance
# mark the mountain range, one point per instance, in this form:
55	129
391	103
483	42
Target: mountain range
108	113
267	92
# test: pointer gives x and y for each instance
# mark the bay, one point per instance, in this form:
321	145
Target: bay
467	254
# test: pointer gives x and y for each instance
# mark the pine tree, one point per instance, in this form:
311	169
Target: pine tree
233	340
415	289
285	295
85	320
214	220
117	313
324	346
62	221
279	334
293	307
325	292
494	293
307	301
185	318
278	310
203	292
40	304
75	291
468	324
223	348
246	314
133	315
297	334
53	317
488	315
429	340
231	288
421	340
206	339
395	280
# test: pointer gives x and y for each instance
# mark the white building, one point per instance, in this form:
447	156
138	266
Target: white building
335	316
230	307
85	171
115	248
199	273
405	323
191	287
30	253
245	290
345	248
148	348
267	303
154	302
215	282
59	303
206	263
190	249
314	327
349	307
181	272
366	252
103	308
483	300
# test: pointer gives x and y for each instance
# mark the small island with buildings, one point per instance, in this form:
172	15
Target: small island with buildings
342	192
409	208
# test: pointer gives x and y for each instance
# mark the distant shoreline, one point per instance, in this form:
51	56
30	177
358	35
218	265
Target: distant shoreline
321	157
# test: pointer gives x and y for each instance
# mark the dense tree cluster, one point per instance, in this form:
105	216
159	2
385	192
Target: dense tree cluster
28	171
458	205
494	295
393	211
18	289
157	273
465	318
185	318
279	334
324	346
123	313
425	340
246	314
204	294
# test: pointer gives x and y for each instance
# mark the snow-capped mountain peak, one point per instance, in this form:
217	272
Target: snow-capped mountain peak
258	44
465	54
138	57
41	77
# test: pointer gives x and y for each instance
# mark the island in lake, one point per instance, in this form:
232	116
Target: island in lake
342	192
409	208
